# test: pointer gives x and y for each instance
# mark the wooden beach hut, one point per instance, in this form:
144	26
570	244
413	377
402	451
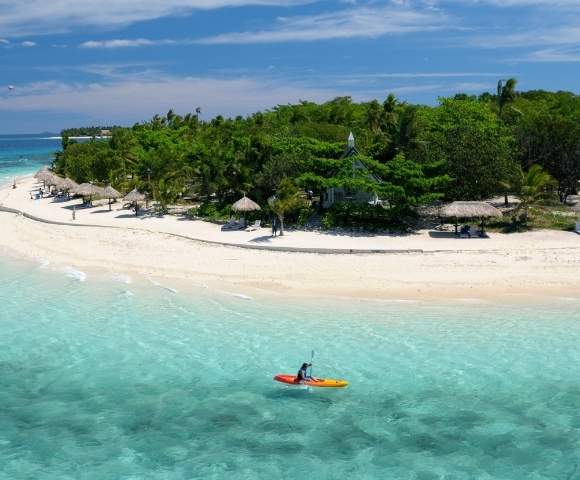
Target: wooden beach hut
457	211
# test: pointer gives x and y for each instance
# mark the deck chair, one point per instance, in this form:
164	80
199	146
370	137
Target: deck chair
256	226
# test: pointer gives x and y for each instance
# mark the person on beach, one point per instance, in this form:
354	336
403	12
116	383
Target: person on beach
302	374
274	226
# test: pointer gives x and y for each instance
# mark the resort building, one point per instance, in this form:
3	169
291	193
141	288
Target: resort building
340	195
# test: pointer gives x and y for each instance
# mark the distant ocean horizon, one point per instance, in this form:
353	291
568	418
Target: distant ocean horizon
24	154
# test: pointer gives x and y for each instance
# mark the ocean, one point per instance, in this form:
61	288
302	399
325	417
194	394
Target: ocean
24	154
107	376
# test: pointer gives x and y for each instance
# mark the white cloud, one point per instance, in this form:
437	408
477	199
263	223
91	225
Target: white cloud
360	22
125	43
551	55
562	35
135	98
8	44
42	17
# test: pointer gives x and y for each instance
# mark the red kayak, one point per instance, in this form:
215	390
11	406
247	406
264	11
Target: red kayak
311	382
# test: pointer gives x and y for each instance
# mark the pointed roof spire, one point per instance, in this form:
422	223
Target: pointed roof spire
351	140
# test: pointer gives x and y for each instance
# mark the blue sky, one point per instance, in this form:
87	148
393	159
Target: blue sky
83	62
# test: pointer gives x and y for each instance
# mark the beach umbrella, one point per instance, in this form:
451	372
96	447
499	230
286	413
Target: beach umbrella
134	197
482	210
244	204
88	190
111	194
44	175
41	172
470	210
59	182
69	185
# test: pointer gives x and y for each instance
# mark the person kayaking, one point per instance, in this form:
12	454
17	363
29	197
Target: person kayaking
302	375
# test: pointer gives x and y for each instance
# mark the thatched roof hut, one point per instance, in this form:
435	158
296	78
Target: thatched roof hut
134	196
244	204
470	210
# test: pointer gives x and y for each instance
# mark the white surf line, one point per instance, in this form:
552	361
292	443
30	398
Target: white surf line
74	274
163	287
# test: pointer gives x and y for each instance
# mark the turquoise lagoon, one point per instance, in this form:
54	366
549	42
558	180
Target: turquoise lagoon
101	378
24	154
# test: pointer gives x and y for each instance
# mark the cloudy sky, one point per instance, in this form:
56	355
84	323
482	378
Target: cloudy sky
78	62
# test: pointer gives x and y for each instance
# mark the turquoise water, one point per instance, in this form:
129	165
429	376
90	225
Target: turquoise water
24	154
101	378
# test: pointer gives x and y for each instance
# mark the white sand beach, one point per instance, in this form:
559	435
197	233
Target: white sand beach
420	265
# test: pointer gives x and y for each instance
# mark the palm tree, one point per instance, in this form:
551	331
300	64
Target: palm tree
535	186
287	198
506	93
374	117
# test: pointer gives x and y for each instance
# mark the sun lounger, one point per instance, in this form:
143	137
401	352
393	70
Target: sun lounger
256	226
231	225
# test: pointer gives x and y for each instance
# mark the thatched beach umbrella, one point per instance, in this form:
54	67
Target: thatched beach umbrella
42	173
470	210
134	197
45	176
244	204
69	185
459	210
111	194
89	191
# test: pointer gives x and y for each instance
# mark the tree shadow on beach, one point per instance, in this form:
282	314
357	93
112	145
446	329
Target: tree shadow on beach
262	239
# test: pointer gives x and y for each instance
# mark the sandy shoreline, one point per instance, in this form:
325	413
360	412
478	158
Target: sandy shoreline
503	267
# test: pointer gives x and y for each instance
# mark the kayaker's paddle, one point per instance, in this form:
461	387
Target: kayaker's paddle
311	360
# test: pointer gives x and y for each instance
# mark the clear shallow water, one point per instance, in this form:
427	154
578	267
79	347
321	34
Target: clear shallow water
24	154
112	379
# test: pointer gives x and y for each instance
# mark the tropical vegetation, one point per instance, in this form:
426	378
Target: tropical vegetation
464	148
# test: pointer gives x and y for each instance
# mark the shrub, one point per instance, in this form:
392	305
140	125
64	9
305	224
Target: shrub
358	215
211	211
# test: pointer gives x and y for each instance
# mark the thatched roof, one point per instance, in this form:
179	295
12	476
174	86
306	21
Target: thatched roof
46	176
68	184
134	196
110	192
244	204
88	190
469	210
43	171
59	182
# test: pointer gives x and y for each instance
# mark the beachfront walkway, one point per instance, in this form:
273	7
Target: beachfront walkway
99	215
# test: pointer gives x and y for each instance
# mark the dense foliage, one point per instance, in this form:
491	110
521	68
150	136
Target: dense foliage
84	131
465	148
